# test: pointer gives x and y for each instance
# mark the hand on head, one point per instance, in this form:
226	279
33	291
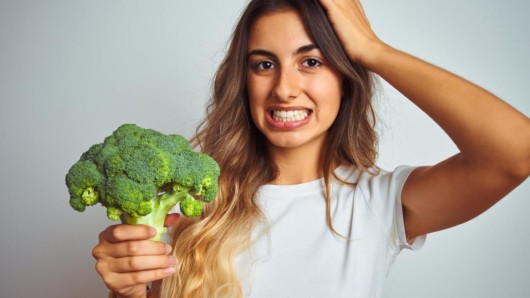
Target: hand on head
352	28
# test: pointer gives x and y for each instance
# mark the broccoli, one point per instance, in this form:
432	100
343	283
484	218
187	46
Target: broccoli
140	174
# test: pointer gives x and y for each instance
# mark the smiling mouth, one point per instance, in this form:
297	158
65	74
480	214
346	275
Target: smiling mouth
290	115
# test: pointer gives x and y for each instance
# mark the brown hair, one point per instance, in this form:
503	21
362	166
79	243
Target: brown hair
205	248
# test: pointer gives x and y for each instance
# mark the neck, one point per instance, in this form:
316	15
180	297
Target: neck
297	165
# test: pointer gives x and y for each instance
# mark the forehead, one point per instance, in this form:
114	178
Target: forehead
278	28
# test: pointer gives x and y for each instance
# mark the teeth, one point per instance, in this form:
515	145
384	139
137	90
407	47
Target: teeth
289	116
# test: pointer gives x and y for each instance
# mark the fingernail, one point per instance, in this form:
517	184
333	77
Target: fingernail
170	270
168	248
172	261
152	231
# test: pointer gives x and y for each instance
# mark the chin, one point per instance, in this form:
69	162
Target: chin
292	141
283	141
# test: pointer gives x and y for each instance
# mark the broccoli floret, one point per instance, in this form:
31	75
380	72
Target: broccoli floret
140	174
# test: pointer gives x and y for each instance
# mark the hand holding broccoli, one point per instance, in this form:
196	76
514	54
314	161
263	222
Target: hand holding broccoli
140	174
127	260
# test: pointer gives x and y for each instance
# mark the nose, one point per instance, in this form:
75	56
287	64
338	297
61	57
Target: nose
287	85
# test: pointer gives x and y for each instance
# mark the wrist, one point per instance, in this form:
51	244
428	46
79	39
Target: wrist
147	294
372	57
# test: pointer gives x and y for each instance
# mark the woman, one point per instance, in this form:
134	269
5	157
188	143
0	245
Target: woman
302	210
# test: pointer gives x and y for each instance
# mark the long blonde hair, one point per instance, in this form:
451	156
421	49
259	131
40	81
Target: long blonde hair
205	248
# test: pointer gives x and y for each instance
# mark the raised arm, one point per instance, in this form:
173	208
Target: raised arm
493	138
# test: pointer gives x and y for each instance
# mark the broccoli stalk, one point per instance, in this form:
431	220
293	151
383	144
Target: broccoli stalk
161	207
140	175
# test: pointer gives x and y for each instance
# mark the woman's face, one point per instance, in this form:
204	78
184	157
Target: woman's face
294	94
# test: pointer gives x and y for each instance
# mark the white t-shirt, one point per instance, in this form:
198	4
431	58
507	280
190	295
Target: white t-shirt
295	254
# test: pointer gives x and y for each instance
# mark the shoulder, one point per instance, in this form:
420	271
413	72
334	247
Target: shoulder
379	188
374	177
382	180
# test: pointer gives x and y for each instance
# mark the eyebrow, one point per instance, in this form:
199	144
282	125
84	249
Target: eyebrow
301	50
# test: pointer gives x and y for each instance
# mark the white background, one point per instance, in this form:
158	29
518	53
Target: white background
72	71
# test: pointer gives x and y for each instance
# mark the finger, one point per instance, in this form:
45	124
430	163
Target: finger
171	219
328	5
124	280
324	3
141	263
131	248
361	9
122	232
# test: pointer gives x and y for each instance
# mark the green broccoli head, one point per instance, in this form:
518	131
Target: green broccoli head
83	180
140	174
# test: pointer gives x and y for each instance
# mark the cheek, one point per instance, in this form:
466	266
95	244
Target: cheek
255	107
328	92
253	91
257	95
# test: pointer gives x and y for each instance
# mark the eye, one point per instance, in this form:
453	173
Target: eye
311	63
264	65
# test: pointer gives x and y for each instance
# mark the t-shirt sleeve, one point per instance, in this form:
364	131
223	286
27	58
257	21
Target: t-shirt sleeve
383	196
399	176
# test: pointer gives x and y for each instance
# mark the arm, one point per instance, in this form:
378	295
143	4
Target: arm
493	138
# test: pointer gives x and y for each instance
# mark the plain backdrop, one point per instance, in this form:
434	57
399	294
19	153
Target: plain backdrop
72	71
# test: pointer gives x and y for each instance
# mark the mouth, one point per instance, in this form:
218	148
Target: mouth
293	115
